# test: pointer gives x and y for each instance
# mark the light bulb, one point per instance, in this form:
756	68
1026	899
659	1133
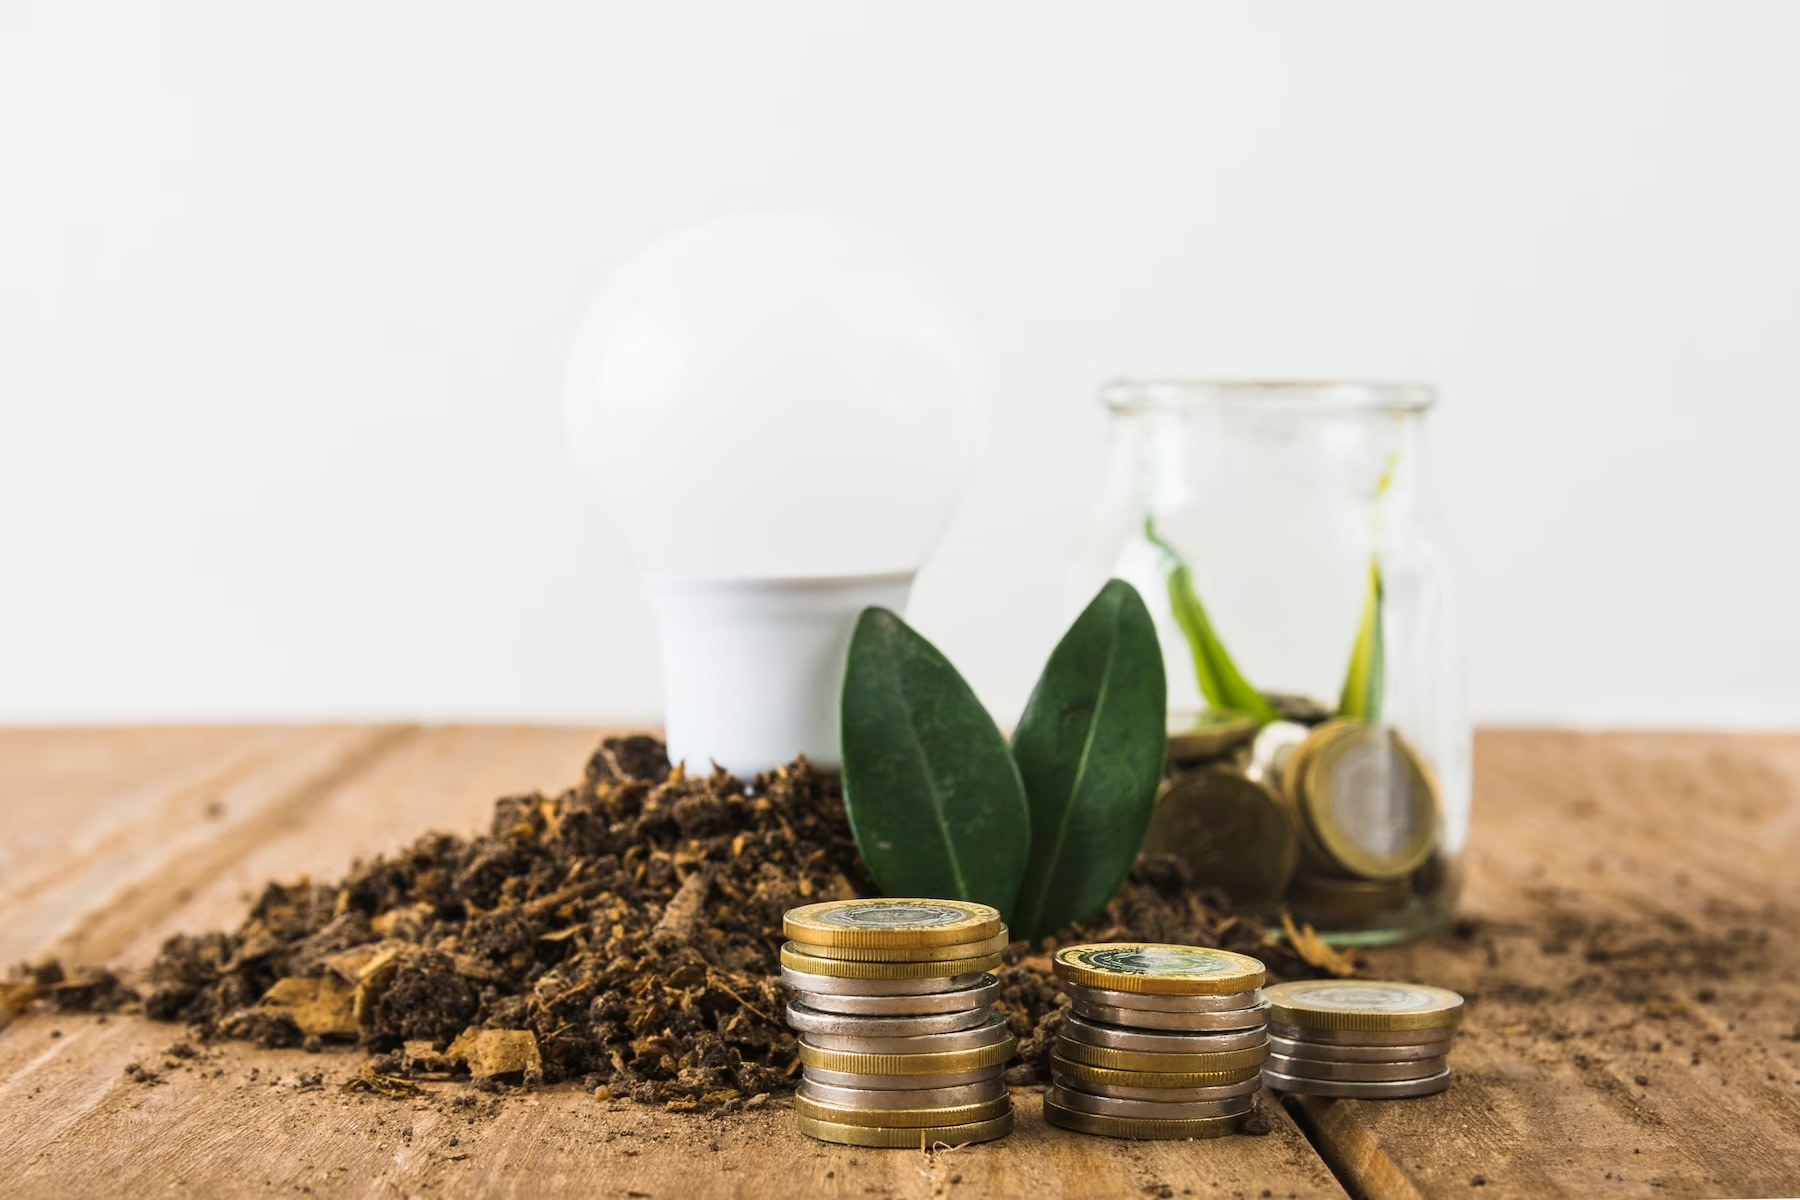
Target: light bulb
779	411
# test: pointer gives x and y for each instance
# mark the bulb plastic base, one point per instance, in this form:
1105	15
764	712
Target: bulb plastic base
753	668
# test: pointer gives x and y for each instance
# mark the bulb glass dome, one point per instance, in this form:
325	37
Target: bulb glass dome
775	396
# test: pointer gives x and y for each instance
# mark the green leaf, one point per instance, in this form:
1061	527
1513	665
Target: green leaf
934	799
1365	682
1220	681
1366	679
1090	750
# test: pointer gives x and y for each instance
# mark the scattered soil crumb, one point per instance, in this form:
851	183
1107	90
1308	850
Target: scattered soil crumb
624	933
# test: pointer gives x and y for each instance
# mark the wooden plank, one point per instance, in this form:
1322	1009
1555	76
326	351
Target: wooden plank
83	1128
1633	970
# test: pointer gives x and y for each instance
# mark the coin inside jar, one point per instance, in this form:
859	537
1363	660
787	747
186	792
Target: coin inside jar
1334	1052
1209	733
1248	1086
802	981
1158	1110
984	1092
1346	1090
802	1019
1079	1029
1112	998
1192	1022
973	998
990	1031
1367	801
1354	1072
1229	831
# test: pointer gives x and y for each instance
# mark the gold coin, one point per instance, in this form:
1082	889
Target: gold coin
891	922
1208	734
795	958
1140	1128
903	1118
1214	1063
1157	968
1090	1076
1333	903
907	1139
1230	832
1366	798
944	1062
993	945
1302	710
1358	1004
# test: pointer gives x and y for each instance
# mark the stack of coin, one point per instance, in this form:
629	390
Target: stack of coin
1161	1041
899	1043
1368	1040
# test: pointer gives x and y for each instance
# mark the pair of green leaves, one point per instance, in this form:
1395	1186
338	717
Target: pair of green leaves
1044	830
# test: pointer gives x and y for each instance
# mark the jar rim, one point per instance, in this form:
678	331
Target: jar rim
1325	395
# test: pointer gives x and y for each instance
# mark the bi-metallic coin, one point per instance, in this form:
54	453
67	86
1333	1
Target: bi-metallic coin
1367	801
991	1031
902	1118
985	1092
1189	1022
907	1139
891	921
1209	733
1110	998
1248	1086
1096	1079
1230	831
905	954
1156	1110
900	1083
1334	1052
811	1020
1137	1128
795	958
1079	1029
948	1062
885	989
970	999
1339	1089
1134	1060
1355	1072
1158	968
1362	1005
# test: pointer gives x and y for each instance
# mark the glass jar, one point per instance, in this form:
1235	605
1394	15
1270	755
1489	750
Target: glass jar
1285	540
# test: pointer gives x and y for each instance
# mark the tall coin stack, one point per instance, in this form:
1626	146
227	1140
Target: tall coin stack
1161	1041
899	1043
1362	1039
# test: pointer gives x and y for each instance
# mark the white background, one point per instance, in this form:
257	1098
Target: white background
285	293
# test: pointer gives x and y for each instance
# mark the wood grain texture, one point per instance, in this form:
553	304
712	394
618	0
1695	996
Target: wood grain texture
192	831
1633	972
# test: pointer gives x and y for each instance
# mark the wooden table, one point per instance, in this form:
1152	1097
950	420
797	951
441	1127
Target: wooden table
1631	961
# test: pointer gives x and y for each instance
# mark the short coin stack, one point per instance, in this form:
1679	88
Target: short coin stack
899	1043
1367	1040
1161	1041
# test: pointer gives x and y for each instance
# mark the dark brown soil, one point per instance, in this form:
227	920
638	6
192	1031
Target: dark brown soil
630	925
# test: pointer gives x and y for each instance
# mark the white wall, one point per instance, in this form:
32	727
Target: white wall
285	291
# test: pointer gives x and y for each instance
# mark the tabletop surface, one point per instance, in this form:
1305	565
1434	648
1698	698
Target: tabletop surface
1629	952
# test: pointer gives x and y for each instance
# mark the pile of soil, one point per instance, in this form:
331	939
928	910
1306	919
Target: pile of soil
624	933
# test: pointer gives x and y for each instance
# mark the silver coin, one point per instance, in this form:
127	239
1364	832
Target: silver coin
1358	1037
1327	1052
1107	998
810	1020
1189	1022
1354	1072
972	999
945	1097
830	985
1079	1029
991	1032
1192	1095
1154	1110
899	1083
1346	1090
